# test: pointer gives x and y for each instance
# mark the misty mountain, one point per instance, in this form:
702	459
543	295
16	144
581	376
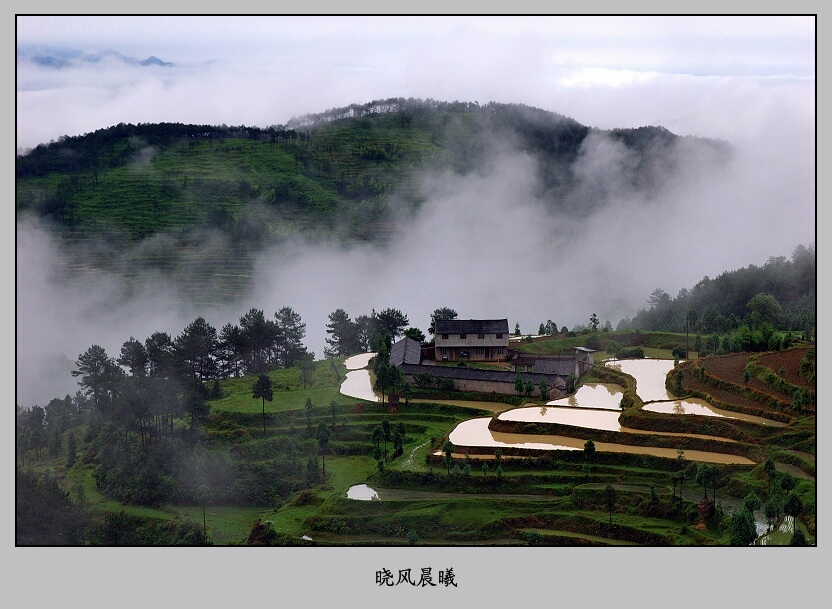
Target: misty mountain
357	174
353	170
65	58
495	210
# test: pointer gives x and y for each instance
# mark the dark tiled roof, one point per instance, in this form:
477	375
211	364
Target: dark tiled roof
472	326
475	374
405	351
561	367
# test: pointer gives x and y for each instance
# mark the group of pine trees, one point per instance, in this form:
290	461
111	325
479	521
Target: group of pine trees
346	336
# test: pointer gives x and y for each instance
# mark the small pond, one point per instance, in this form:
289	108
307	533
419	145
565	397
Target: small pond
362	492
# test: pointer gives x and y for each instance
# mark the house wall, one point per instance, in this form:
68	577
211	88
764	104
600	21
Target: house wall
583	362
492	386
490	346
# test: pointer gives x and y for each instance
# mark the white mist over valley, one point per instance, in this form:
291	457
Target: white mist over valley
483	244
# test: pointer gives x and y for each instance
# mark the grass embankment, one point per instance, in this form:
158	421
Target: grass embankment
288	390
655	344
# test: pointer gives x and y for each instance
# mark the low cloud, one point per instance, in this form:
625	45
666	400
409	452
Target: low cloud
484	244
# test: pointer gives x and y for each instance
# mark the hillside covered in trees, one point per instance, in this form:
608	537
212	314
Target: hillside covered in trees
781	293
350	170
353	174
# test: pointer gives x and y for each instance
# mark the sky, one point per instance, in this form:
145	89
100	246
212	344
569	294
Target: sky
748	80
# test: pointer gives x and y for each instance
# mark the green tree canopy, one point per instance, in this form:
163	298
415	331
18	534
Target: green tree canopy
392	322
765	308
291	331
443	313
134	357
589	450
448	448
610	497
98	374
262	389
415	334
343	337
323	435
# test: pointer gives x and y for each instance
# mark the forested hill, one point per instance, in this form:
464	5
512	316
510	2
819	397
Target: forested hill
351	171
782	290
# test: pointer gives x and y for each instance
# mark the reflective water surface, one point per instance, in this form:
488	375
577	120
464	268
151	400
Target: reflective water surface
579	417
593	395
650	375
356	362
357	382
593	406
690	406
362	492
697	406
782	534
357	385
475	432
583	417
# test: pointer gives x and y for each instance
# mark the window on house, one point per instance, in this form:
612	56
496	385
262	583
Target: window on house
480	336
443	351
499	335
480	351
499	351
463	336
445	336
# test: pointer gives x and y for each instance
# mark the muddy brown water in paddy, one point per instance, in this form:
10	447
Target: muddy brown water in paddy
589	419
701	407
593	406
593	395
475	433
650	375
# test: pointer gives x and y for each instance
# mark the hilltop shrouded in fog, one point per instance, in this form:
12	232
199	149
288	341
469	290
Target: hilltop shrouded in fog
499	210
623	155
